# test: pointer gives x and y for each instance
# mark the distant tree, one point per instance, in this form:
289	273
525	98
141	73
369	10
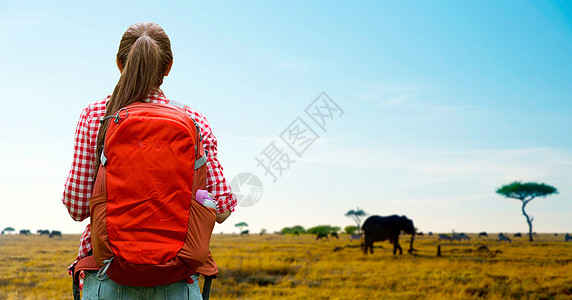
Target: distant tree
356	215
350	229
8	230
298	229
241	225
525	192
324	229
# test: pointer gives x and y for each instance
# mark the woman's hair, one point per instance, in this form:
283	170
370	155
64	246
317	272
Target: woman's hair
145	55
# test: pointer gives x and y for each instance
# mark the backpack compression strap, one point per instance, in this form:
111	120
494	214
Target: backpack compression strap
200	161
84	264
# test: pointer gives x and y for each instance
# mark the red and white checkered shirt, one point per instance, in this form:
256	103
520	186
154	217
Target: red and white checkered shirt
78	186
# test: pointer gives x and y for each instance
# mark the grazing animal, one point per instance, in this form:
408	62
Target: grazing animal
296	233
43	232
321	235
481	234
334	235
244	232
503	238
444	237
378	228
420	233
354	236
430	233
517	235
55	233
25	232
567	237
460	237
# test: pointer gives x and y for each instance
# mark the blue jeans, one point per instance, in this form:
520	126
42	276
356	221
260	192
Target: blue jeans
105	288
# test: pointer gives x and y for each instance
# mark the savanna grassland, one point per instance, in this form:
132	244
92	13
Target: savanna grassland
299	267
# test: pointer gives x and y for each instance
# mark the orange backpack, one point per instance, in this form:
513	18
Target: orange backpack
147	227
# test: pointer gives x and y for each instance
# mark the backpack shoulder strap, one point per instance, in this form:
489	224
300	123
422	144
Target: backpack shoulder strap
199	162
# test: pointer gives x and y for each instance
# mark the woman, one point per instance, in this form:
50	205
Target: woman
144	58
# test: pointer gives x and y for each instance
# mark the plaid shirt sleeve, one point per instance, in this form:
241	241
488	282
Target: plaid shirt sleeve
78	184
216	183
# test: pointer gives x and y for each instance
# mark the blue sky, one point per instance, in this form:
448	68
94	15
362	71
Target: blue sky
443	102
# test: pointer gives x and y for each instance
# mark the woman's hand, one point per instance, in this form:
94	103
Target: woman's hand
222	216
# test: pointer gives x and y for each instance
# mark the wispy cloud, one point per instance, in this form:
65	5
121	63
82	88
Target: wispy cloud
420	97
395	100
431	165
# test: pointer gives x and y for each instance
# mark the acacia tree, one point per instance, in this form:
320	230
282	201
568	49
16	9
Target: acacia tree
241	225
525	192
356	215
8	230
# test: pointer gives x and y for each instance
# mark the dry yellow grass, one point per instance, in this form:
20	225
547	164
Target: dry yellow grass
289	267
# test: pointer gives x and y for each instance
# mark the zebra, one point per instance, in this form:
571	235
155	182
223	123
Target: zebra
355	237
444	237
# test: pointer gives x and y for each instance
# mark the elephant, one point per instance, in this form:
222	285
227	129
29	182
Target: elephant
378	228
55	233
43	232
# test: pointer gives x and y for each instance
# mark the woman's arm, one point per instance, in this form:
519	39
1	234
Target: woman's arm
216	182
78	184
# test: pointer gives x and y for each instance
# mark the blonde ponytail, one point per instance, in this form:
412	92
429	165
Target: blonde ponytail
145	54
